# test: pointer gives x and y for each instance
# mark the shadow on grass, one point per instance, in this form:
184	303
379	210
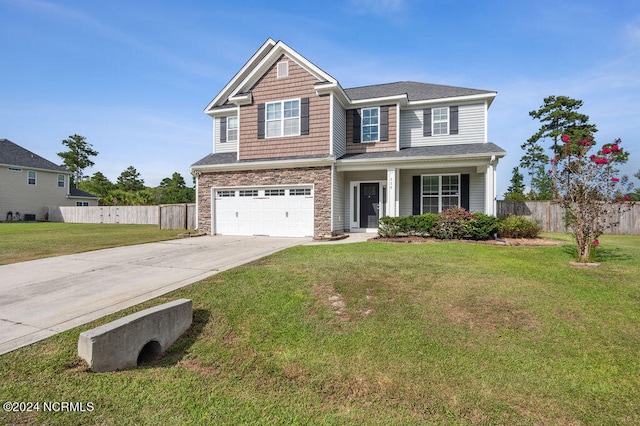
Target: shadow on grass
600	254
180	348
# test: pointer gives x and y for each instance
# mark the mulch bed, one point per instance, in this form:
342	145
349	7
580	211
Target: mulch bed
531	242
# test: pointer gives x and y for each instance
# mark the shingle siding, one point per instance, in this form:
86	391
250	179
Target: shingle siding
471	125
299	84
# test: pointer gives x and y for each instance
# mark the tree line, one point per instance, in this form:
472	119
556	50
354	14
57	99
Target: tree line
129	188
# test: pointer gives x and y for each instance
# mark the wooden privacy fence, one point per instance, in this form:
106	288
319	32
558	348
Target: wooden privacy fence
550	216
166	216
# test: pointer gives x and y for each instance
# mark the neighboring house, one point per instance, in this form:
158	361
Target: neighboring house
295	154
30	183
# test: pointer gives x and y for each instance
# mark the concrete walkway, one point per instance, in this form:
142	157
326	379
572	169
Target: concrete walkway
44	297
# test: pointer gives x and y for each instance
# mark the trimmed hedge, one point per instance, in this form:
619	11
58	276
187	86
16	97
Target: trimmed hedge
457	223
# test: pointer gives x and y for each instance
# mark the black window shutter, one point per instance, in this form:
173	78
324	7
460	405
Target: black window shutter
304	116
426	127
261	121
464	191
453	120
223	129
417	192
356	126
384	123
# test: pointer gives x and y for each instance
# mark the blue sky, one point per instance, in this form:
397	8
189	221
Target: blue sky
133	77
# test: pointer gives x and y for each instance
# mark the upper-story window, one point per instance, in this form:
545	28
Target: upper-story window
232	129
60	181
283	118
370	124
31	177
440	121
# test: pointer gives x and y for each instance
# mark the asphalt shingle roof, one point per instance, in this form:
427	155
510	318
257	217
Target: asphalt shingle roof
444	151
14	155
415	91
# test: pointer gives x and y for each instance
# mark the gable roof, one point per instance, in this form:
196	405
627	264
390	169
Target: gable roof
414	91
12	154
238	90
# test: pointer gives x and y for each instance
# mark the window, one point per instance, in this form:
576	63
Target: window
300	191
440	121
248	193
283	69
14	169
60	181
273	192
283	118
82	204
440	193
221	194
370	124
31	177
232	129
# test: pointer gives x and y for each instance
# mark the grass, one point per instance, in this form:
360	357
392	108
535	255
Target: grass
27	241
374	333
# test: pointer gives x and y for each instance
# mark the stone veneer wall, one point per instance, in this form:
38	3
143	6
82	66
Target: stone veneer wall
320	177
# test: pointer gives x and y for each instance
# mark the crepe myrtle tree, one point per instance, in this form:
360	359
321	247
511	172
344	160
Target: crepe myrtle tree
589	188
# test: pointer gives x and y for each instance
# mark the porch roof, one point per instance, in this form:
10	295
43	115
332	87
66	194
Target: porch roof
436	152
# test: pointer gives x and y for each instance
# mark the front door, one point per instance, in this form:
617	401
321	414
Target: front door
369	205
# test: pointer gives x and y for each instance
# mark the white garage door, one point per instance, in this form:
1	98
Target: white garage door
273	211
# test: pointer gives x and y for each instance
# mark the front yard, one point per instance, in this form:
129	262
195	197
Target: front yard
374	333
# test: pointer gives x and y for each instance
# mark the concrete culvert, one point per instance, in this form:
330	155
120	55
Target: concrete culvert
149	352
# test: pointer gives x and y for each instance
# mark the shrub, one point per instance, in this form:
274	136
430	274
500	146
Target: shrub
483	227
419	225
518	227
454	223
389	227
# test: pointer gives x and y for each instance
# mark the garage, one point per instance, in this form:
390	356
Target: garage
283	211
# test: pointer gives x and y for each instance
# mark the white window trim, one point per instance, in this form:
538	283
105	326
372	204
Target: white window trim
282	118
237	129
434	122
35	177
440	190
362	125
64	181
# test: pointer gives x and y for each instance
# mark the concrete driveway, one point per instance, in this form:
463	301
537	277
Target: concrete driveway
44	297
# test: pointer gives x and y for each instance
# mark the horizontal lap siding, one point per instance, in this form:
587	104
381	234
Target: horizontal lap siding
222	146
299	84
476	183
339	129
471	125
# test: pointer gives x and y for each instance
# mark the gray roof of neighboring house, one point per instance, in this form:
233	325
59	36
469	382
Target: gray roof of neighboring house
75	192
14	155
415	91
454	150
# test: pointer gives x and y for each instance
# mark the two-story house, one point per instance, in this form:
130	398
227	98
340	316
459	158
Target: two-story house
295	154
29	184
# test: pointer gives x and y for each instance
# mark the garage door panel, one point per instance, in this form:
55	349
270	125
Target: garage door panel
275	215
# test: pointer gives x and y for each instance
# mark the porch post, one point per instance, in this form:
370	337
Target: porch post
392	192
490	189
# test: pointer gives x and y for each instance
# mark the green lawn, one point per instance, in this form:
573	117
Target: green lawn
28	241
374	333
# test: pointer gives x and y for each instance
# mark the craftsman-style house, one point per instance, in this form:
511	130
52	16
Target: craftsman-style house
296	154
